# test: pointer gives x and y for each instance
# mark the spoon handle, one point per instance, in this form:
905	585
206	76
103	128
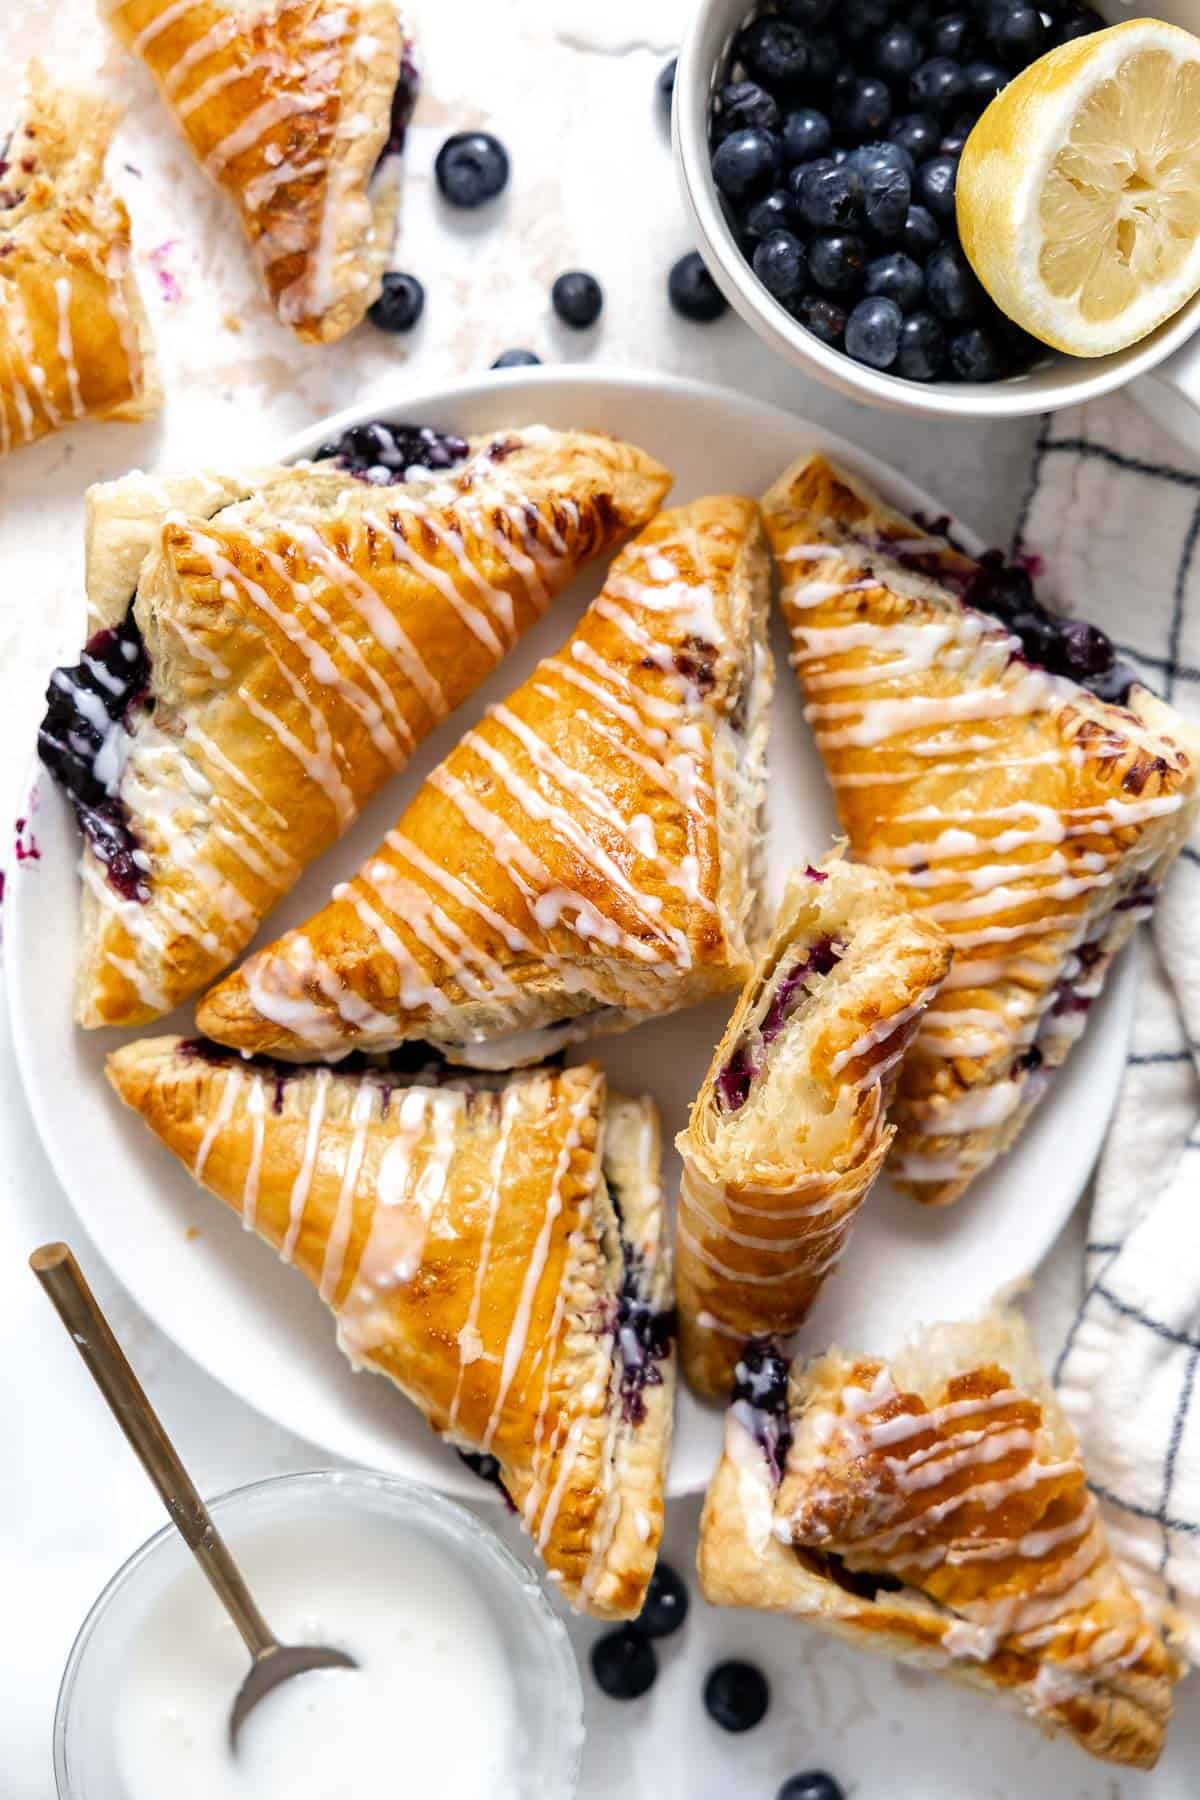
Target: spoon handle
77	1307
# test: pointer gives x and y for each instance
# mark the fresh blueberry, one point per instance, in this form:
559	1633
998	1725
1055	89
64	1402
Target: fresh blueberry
806	133
984	80
745	163
836	261
955	136
824	59
666	1604
666	81
897	52
922	353
918	133
471	167
862	19
577	298
1077	22
866	109
736	1695
934	186
938	86
774	212
829	196
896	277
873	160
977	355
824	318
624	1663
400	304
951	35
887	189
954	292
780	266
516	359
812	1784
692	290
1016	33
744	106
921	234
773	49
806	12
873	332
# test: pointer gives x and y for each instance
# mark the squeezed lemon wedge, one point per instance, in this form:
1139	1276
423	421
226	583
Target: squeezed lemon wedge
1078	191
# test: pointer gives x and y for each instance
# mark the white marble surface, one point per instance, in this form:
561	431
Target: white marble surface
592	186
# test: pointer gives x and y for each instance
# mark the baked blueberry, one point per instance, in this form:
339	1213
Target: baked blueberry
577	298
954	292
921	233
951	35
828	195
780	266
666	1604
873	332
983	80
977	355
806	12
774	212
516	359
918	133
897	52
922	352
624	1663
811	1784
806	133
1016	32
471	167
736	1695
773	49
836	261
665	84
896	277
823	317
692	290
400	304
745	162
934	185
938	86
865	109
744	106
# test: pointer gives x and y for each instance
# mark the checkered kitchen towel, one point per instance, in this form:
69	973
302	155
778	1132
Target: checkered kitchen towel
1114	514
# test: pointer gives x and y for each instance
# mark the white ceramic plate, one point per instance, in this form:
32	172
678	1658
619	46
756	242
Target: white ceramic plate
255	1324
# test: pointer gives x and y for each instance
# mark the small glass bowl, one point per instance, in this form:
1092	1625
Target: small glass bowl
549	1698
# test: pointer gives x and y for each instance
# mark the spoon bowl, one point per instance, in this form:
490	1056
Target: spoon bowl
276	1664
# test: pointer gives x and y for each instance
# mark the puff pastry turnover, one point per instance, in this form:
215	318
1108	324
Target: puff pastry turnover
74	338
496	1247
936	1508
1028	817
581	860
279	661
297	109
790	1127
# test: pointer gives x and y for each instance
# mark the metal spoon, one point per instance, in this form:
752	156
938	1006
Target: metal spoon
273	1662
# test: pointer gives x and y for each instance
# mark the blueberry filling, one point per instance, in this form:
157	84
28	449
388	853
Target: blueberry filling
1140	898
644	1339
864	1584
735	1079
488	1469
88	708
760	1401
391	1071
404	100
383	454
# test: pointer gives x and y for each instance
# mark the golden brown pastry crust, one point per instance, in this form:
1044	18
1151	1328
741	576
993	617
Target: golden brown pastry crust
582	859
302	640
464	1233
1029	819
74	338
773	1181
952	1478
288	107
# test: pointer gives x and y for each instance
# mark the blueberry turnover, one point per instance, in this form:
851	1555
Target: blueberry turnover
482	1243
1023	789
293	634
601	826
935	1507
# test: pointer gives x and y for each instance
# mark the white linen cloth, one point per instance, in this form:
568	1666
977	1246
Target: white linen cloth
1113	515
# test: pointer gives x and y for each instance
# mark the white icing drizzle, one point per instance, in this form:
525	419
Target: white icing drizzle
256	1106
66	344
304	1175
361	1113
230	1088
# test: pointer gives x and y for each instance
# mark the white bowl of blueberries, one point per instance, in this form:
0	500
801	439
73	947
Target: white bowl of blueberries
818	142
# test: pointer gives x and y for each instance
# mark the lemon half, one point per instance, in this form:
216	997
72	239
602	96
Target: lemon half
1079	189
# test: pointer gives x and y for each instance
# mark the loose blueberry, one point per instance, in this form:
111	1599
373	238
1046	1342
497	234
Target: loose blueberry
774	212
813	1784
917	133
806	12
780	266
836	261
1084	651
666	1604
1079	21
744	106
896	277
934	186
897	52
873	332
1016	33
866	109
955	136
400	304
951	35
976	355
954	292
624	1663
666	80
471	167
937	86
921	233
824	318
692	290
861	19
736	1695
887	187
983	81
827	195
577	298
745	162
806	133
516	359
873	160
922	353
774	50
824	59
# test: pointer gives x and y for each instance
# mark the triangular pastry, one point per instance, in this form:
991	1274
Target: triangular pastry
1031	818
935	1507
790	1127
280	660
74	338
297	109
495	1246
582	860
